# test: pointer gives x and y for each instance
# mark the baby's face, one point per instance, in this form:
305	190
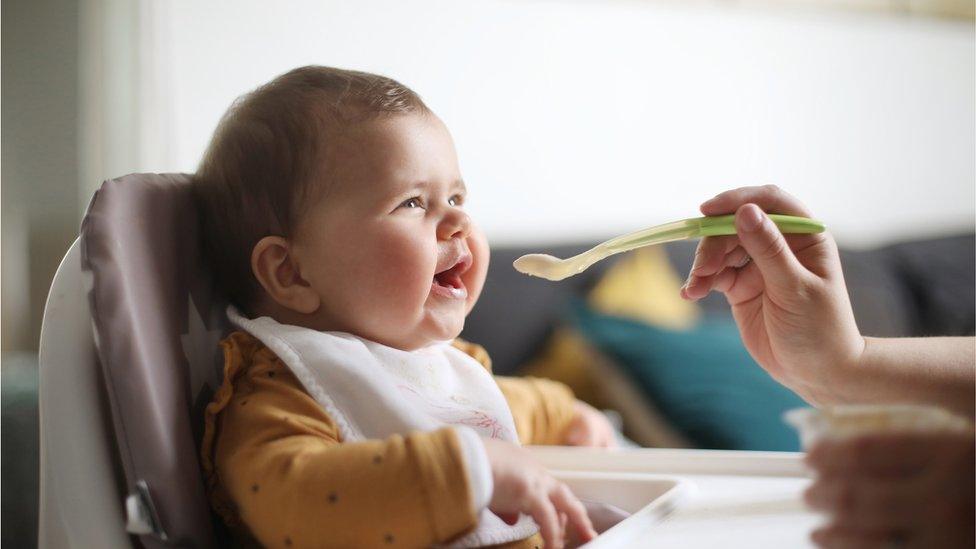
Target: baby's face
389	247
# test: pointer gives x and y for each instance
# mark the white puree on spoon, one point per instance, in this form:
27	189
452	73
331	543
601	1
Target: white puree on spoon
541	265
553	268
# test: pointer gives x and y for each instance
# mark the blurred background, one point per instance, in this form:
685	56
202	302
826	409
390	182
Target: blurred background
574	120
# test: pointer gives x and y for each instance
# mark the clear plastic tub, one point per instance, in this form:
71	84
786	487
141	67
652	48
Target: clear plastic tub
853	420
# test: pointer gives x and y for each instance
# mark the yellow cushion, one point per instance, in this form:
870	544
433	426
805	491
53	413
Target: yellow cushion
565	357
643	286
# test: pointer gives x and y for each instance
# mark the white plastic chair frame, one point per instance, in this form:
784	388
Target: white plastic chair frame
81	503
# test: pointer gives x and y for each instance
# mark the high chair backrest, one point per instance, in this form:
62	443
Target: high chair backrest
128	361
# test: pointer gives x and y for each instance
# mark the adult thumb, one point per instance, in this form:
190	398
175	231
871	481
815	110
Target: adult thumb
765	244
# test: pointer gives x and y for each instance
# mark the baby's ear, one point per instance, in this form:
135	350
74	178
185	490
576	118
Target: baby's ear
274	267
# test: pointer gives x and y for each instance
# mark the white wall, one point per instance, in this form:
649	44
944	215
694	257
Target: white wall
40	192
579	119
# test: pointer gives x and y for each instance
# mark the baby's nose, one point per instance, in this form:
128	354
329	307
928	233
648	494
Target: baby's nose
456	224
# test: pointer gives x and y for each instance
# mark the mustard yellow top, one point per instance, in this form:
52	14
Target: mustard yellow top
280	475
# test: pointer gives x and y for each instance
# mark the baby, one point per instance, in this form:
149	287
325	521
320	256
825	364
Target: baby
333	212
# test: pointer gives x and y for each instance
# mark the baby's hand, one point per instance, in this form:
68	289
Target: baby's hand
522	485
590	428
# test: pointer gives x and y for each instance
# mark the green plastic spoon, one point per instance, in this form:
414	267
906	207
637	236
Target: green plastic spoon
553	268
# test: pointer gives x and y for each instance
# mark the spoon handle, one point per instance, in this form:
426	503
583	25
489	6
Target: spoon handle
704	226
669	232
787	224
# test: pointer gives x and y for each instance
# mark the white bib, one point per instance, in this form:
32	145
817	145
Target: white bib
373	391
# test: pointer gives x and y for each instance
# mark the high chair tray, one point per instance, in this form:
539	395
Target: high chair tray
691	498
648	499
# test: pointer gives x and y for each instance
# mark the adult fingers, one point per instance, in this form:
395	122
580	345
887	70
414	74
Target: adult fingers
723	254
725	281
868	504
839	537
568	504
737	258
768	197
891	454
772	199
710	254
768	249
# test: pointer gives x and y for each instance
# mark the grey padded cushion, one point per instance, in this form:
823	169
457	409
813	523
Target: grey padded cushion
157	324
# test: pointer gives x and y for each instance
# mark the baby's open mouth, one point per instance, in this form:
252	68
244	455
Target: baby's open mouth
448	282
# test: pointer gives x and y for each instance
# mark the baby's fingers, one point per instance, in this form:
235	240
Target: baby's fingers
580	435
544	514
567	503
509	518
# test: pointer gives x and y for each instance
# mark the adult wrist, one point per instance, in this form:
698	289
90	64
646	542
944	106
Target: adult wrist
851	377
839	380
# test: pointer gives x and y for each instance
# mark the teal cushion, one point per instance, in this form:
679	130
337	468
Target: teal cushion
702	379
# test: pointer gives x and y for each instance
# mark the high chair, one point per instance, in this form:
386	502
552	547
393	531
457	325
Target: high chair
127	364
129	359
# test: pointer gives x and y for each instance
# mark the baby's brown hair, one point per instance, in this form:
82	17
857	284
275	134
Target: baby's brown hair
269	156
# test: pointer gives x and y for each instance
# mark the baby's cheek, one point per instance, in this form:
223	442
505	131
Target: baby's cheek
474	279
397	277
405	272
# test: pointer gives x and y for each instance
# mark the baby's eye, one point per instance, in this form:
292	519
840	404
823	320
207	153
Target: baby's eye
411	203
456	200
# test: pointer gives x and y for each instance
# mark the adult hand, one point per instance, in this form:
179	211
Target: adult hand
522	485
895	490
789	301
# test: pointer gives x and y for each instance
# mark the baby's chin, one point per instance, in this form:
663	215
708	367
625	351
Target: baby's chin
444	329
419	341
451	332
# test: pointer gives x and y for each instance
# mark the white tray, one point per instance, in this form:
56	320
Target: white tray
690	498
649	498
671	461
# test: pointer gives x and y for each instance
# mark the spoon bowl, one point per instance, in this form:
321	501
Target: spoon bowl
553	268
